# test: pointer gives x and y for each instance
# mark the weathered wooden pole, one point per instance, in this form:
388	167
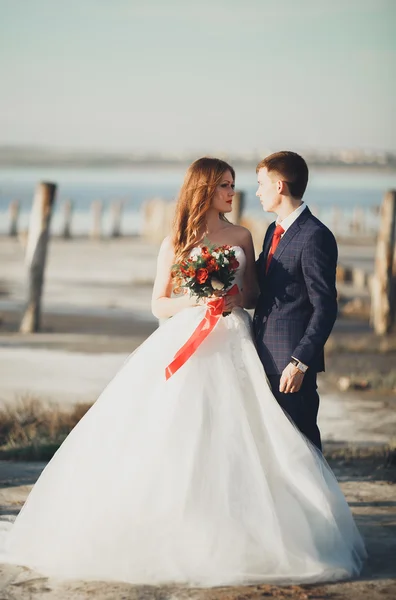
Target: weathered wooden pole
393	286
373	218
116	213
97	212
170	216
238	204
67	219
154	219
358	220
383	287
14	214
36	253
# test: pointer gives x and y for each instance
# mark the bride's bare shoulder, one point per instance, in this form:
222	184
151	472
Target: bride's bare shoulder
166	252
166	244
238	234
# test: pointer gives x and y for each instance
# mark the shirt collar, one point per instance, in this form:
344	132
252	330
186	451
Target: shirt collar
289	220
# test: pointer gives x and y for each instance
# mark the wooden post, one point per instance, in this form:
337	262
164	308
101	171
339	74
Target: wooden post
343	274
373	218
97	211
393	286
169	216
360	278
238	203
67	215
383	287
258	227
358	220
36	253
14	214
154	219
116	213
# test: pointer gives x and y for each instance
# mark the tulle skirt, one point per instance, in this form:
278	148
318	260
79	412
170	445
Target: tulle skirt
200	480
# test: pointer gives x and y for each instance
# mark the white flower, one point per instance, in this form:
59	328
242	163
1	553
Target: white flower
216	284
226	261
194	258
215	255
226	252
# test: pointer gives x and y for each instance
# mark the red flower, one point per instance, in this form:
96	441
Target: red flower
183	267
212	265
202	275
190	272
205	252
234	264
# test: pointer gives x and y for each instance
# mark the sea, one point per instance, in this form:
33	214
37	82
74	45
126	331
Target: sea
334	195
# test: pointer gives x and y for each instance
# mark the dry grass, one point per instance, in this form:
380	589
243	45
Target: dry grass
344	451
31	429
373	462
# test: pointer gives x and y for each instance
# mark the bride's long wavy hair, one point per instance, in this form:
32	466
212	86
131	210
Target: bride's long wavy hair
195	198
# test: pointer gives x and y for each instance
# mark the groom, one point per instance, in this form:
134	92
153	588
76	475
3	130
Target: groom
297	306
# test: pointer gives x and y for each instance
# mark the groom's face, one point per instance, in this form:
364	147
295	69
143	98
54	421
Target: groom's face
267	190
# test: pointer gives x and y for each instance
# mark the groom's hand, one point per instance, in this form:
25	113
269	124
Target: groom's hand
291	379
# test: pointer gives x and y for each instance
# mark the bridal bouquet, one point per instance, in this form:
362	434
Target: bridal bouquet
209	272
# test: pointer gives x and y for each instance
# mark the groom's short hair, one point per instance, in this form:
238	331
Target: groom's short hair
291	167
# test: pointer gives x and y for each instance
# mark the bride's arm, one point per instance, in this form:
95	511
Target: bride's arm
162	305
250	290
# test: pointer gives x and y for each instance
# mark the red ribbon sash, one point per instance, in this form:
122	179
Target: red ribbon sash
213	313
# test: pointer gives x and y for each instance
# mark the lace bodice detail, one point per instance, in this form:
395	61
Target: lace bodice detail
241	258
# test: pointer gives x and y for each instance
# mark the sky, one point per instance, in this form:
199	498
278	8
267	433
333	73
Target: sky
176	76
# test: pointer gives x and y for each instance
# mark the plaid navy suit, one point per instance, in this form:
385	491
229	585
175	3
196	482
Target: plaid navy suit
296	311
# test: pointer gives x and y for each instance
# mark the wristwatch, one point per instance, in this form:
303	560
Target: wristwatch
300	366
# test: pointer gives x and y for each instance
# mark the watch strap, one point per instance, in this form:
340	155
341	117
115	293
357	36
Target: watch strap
299	365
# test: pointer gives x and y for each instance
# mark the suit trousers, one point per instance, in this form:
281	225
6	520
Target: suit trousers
301	406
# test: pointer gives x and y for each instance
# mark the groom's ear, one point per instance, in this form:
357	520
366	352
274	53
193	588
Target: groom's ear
282	187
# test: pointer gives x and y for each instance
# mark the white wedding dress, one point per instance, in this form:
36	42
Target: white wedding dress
199	480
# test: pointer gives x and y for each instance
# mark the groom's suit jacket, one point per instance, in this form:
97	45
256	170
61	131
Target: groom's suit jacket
297	306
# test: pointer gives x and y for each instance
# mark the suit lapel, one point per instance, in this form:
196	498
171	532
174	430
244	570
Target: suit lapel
268	239
287	238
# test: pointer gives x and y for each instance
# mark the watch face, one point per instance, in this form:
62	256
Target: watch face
300	366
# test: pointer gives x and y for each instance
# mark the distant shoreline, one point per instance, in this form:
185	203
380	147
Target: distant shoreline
168	166
14	157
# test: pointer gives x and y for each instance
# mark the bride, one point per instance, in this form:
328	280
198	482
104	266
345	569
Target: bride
199	479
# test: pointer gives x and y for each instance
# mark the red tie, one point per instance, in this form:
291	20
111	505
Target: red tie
279	231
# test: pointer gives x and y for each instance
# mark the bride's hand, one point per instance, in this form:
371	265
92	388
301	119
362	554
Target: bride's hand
234	301
230	302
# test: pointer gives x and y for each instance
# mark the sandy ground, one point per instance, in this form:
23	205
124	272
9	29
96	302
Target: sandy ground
96	311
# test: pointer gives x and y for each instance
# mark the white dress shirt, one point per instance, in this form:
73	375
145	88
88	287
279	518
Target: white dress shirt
288	221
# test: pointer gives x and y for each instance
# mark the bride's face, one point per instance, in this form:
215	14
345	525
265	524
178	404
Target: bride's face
222	200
